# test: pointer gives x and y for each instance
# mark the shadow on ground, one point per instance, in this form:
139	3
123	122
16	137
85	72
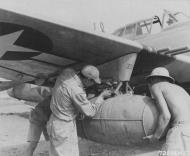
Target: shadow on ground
23	115
87	148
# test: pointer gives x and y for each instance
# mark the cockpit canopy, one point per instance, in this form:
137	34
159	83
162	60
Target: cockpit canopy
151	26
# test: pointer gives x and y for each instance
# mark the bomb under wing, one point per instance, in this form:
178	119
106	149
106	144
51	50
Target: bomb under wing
121	120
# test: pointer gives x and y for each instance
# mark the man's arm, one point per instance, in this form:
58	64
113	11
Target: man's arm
85	106
164	114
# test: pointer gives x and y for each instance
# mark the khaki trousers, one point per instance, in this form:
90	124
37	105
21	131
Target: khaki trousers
63	137
177	141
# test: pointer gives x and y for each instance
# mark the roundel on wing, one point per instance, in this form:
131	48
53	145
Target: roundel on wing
19	42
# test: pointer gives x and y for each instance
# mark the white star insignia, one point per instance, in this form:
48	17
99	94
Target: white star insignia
7	44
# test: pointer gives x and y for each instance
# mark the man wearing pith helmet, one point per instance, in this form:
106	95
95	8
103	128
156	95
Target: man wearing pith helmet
173	104
68	99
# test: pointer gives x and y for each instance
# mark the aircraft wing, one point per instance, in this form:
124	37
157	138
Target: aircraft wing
30	47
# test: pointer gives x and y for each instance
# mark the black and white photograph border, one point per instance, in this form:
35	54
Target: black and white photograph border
101	18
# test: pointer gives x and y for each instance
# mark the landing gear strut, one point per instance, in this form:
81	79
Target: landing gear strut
123	88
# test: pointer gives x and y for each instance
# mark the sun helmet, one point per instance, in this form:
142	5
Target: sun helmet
160	72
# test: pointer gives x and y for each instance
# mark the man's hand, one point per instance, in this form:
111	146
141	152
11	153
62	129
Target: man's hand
106	93
151	138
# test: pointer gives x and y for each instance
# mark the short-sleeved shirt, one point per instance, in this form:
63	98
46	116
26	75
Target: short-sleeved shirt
69	97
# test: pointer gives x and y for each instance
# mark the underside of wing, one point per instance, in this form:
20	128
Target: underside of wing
177	61
30	46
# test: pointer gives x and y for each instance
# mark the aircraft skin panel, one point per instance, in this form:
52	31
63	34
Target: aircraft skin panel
32	67
11	74
57	61
68	42
41	64
171	38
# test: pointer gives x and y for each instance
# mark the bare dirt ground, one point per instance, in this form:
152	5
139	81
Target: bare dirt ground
13	132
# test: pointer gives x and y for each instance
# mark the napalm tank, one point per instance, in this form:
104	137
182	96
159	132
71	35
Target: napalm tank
121	120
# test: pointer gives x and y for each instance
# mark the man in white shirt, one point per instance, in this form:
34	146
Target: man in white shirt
68	99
